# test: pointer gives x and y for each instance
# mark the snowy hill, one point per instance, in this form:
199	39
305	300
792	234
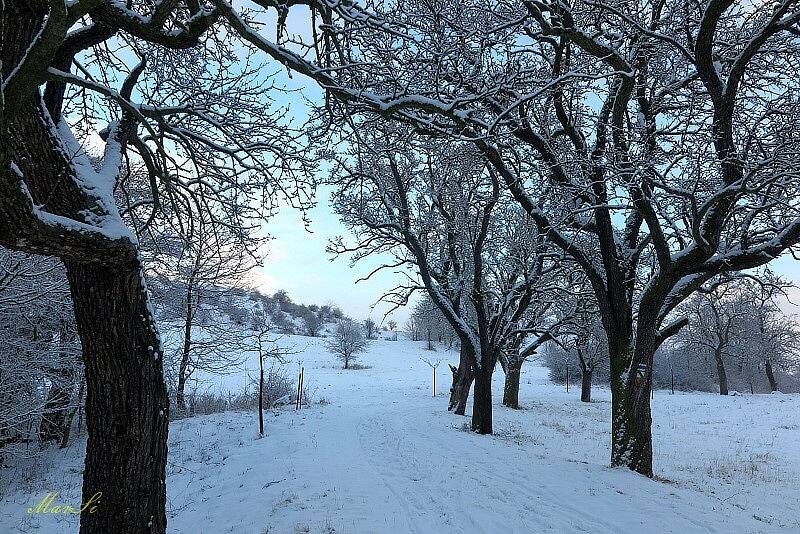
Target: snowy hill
376	453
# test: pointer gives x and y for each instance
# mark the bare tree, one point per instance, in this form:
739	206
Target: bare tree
737	334
638	138
716	314
267	346
347	342
769	334
312	324
585	345
163	95
40	366
370	329
437	208
205	266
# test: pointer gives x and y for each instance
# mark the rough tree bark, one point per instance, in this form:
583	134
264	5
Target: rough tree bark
126	403
482	398
462	382
631	438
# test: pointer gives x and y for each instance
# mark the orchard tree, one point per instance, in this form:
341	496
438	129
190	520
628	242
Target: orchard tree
436	208
769	333
347	342
717	315
370	329
581	341
736	323
639	139
204	266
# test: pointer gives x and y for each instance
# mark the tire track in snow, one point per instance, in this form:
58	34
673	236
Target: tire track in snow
381	433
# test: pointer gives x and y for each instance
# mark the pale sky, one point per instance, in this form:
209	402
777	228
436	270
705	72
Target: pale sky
296	261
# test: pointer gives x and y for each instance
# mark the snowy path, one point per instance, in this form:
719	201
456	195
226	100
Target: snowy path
383	456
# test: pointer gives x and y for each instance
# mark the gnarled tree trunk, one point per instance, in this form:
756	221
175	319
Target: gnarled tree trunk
462	382
631	421
126	401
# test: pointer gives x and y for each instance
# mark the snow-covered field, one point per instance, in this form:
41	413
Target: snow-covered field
381	455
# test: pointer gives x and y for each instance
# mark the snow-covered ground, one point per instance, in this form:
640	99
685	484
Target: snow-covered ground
381	455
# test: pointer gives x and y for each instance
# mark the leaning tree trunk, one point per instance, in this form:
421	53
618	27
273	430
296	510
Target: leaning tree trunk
462	382
126	401
482	399
586	385
511	388
773	382
631	421
721	374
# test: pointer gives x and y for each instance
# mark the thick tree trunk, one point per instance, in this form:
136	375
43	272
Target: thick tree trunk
126	403
482	400
722	376
586	385
631	438
511	387
773	382
462	382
